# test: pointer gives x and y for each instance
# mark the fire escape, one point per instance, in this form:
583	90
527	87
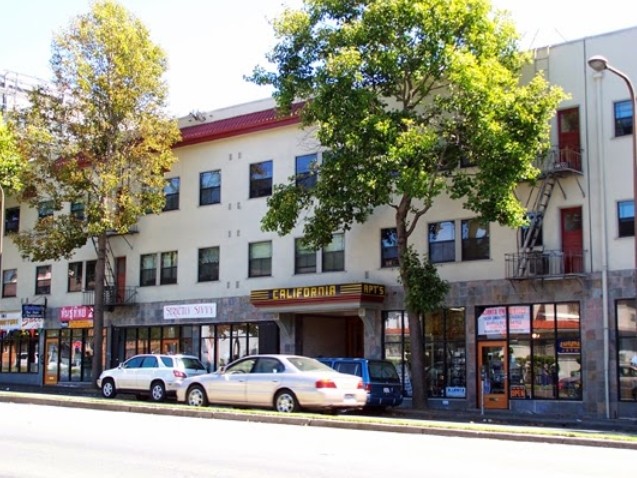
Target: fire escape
115	293
533	261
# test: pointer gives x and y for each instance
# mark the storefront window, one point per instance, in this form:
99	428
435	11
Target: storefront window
445	351
396	346
544	348
20	352
627	350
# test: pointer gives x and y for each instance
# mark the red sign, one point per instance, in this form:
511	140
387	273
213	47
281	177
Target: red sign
76	312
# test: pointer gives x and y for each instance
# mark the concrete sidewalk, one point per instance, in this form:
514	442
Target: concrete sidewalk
494	424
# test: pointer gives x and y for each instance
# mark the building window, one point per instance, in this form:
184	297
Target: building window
524	231
208	264
261	179
171	193
388	247
445	362
627	349
333	257
442	242
543	359
623	118
168	268
475	240
209	188
306	171
45	209
148	270
12	220
19	352
43	280
76	277
77	210
304	258
90	275
9	283
260	259
626	218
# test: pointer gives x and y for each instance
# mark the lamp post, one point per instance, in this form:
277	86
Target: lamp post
599	64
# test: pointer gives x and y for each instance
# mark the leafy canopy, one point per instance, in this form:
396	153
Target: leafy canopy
99	135
11	162
401	93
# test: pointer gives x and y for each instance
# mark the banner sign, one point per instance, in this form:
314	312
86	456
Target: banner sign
190	311
33	311
76	312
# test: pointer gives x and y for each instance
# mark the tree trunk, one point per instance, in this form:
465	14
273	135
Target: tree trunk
416	340
418	382
98	308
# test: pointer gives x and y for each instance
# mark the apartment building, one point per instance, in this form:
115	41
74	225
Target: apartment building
537	320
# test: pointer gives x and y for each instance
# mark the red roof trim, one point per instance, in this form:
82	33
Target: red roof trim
237	125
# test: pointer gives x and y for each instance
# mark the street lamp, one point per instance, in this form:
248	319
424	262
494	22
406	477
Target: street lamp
599	64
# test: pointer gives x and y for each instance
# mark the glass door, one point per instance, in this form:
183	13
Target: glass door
493	377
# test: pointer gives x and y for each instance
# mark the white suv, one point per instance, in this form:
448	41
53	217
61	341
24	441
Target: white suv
154	375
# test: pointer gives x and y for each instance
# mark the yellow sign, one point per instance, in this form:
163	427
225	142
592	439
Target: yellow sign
328	291
80	324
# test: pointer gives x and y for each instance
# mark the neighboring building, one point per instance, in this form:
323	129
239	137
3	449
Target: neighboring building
540	320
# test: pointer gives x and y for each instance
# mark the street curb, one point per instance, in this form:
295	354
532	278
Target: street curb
435	428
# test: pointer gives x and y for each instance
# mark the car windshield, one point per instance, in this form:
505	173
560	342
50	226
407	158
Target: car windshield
305	364
383	371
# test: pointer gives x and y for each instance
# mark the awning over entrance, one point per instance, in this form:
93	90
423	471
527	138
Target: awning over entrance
318	297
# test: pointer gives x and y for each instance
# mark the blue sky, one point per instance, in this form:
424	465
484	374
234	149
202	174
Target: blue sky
211	44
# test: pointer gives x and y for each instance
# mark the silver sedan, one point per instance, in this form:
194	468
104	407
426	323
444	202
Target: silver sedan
286	383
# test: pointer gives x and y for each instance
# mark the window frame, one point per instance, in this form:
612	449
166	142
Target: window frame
259	266
305	170
148	275
623	122
171	194
9	283
302	262
389	248
168	263
11	222
75	277
209	194
625	223
43	279
261	180
335	256
448	254
471	246
45	209
208	271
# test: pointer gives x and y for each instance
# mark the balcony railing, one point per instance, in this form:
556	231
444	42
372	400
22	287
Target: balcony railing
560	160
544	264
113	296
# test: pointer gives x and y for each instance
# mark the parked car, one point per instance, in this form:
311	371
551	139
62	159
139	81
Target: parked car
287	383
154	375
380	379
628	382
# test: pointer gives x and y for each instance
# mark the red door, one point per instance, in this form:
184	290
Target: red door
568	139
120	273
572	240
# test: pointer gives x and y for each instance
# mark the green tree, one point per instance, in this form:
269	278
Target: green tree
401	92
11	162
99	136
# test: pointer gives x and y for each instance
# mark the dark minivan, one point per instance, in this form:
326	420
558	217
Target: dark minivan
380	379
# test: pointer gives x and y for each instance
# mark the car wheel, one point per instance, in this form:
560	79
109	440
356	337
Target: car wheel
157	391
108	388
197	396
286	402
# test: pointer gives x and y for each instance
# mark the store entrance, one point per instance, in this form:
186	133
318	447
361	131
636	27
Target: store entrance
493	377
330	336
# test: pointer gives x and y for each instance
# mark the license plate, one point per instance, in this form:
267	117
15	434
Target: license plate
386	390
349	397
